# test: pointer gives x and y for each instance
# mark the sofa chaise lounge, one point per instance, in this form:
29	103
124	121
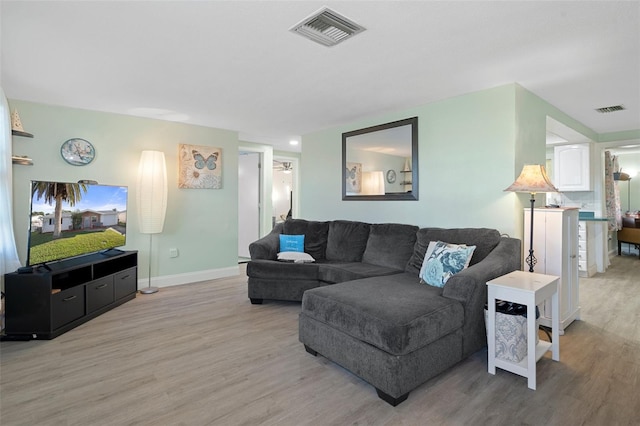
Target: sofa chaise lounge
364	306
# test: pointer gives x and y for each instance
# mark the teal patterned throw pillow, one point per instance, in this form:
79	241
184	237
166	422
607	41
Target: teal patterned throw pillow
443	260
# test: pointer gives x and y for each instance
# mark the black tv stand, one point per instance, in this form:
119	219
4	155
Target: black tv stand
15	337
53	300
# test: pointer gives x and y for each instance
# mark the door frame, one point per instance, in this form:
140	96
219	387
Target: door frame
295	164
266	182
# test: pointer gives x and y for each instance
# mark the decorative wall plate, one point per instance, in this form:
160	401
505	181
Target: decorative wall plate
391	176
77	152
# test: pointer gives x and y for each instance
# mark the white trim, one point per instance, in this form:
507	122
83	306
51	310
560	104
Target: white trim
9	260
189	277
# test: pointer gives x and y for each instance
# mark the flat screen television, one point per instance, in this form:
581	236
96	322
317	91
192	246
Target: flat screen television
74	219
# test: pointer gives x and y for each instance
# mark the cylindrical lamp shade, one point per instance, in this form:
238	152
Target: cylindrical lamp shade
152	192
373	183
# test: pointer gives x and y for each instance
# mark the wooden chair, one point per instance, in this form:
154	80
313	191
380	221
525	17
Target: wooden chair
630	232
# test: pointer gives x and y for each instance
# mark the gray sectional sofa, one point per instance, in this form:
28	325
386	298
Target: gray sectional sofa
363	305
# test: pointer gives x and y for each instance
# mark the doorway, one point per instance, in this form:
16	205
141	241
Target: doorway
284	192
256	180
249	201
253	208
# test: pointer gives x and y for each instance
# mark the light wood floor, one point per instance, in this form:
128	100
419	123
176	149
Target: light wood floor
201	354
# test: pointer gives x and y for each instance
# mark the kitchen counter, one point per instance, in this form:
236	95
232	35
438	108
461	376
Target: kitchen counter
590	216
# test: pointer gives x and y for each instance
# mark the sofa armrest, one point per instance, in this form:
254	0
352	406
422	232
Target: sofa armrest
470	288
267	247
504	258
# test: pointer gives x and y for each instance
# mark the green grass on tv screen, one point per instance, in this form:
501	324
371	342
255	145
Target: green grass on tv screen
46	249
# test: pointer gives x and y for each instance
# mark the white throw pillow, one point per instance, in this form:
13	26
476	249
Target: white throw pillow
443	260
295	256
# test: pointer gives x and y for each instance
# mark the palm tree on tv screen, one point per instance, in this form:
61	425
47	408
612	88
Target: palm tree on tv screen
50	191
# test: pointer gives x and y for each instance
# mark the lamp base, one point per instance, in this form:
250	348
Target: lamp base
531	259
149	290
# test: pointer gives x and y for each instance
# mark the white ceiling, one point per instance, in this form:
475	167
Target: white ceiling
235	65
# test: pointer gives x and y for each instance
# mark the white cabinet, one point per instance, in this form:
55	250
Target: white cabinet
571	167
586	248
555	246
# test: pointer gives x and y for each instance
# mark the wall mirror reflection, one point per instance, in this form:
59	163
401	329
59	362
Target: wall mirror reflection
380	162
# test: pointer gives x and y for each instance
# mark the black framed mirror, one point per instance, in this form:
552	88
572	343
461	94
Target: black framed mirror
381	162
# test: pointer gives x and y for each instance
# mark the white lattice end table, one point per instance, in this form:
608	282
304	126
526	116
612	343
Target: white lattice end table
530	289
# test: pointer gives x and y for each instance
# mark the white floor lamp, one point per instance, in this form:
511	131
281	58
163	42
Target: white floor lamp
152	199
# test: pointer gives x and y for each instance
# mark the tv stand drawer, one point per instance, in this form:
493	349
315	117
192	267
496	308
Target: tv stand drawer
67	306
126	282
99	293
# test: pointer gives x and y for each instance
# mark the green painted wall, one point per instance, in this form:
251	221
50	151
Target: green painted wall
619	136
202	224
466	159
471	147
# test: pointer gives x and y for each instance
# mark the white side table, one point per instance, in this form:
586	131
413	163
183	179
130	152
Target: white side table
526	288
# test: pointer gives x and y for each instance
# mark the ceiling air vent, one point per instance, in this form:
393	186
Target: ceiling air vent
614	108
327	27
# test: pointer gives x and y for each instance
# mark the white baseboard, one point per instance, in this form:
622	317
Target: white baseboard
189	277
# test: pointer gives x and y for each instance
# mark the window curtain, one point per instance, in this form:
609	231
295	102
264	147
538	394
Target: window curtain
611	192
9	260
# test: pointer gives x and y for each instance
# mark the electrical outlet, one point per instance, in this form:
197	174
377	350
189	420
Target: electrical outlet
173	252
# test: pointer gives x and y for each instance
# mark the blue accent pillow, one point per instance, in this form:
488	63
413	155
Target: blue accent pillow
292	243
443	260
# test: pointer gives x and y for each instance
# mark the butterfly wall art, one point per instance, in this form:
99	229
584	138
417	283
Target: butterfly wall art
354	178
199	167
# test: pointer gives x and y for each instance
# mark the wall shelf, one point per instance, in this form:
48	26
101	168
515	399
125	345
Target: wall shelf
406	182
21	160
21	133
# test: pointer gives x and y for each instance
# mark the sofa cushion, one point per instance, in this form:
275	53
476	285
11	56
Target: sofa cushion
347	240
278	289
338	272
282	271
315	235
484	239
394	313
443	260
390	245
